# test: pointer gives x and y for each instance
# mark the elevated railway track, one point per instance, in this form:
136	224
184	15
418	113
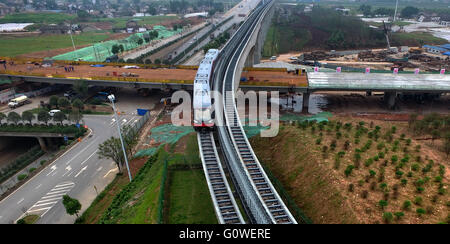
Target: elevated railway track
260	199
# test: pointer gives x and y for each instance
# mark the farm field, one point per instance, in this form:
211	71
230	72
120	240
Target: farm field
362	172
48	18
14	46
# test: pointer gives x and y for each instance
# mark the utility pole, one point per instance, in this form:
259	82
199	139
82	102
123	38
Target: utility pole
396	7
111	99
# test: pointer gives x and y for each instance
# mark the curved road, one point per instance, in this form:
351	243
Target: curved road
74	173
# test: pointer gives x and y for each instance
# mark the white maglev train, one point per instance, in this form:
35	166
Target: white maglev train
202	91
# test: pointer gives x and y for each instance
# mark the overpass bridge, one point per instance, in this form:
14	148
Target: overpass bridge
45	139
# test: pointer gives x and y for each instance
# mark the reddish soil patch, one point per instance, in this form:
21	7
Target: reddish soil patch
136	164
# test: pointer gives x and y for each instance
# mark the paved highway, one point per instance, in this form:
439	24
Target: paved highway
74	173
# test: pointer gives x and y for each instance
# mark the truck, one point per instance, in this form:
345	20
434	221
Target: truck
19	101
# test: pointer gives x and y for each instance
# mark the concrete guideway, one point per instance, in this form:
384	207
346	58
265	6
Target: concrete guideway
378	82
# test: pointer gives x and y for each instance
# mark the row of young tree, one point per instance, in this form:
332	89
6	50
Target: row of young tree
43	116
119	48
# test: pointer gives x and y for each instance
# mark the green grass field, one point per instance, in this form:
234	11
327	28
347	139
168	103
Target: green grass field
190	202
13	46
416	39
48	18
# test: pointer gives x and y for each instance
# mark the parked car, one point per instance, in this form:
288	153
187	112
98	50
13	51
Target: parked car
53	112
273	58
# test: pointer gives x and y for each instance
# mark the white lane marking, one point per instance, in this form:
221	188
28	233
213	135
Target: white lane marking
55	195
100	168
113	170
61	188
90	156
43	204
55	192
81	171
65	184
49	200
38	186
53	168
68	169
36	210
70	174
78	154
21	200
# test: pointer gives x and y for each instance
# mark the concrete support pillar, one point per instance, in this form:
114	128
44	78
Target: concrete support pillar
368	93
390	98
50	143
250	58
305	102
42	143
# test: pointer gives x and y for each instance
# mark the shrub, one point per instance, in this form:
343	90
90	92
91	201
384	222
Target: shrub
404	182
418	201
399	174
43	162
420	189
407	205
438	179
22	177
399	214
420	211
348	170
387	217
31	170
415	167
382	203
318	141
62	147
372	173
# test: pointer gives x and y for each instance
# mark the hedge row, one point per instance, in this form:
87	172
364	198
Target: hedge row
20	163
64	129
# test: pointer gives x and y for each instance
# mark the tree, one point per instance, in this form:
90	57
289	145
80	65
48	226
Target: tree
81	87
72	205
129	135
54	101
115	49
43	116
13	117
2	117
63	102
75	116
77	103
140	41
112	149
28	116
59	117
409	12
366	9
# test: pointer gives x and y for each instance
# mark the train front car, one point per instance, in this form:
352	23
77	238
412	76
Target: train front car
202	88
202	108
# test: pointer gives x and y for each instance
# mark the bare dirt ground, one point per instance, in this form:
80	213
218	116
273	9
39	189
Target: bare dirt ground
86	71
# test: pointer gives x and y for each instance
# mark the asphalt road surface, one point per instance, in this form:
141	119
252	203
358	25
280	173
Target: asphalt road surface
79	173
